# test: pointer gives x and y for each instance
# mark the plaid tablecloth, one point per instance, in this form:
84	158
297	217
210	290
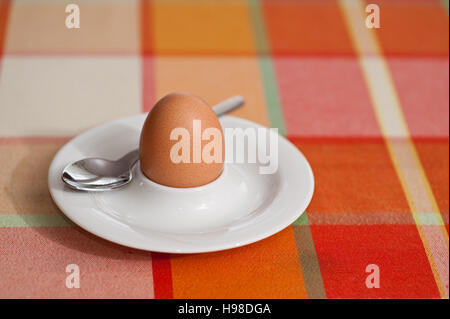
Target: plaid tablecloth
369	108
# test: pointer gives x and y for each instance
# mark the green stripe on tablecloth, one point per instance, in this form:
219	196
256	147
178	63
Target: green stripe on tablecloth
34	220
308	259
272	97
258	27
445	5
302	220
267	70
303	239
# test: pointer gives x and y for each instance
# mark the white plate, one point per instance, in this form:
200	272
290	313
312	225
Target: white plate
239	208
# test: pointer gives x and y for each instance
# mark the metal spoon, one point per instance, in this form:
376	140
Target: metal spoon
99	174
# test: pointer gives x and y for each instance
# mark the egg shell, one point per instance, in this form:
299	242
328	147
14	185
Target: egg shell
177	110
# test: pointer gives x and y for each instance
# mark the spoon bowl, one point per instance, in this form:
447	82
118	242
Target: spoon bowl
98	174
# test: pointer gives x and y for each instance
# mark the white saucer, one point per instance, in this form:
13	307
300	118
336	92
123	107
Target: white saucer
239	208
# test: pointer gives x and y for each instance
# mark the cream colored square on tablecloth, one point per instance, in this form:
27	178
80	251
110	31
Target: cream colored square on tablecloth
106	27
62	96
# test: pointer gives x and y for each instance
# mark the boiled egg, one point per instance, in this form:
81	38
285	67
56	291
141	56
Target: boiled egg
181	143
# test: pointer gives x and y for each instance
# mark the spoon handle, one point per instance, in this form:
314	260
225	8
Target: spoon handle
130	158
228	105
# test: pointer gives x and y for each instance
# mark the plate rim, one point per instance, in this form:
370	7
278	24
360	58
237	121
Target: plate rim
224	246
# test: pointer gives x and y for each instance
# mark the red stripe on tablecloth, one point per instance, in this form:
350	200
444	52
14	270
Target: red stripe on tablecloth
4	10
430	139
146	27
148	88
397	250
344	140
161	267
162	276
354	139
148	84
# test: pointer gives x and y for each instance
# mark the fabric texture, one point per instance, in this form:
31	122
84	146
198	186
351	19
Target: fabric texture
368	107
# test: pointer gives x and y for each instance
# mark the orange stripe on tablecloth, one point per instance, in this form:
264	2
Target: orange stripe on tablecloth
434	156
413	27
306	27
267	269
162	276
232	76
202	27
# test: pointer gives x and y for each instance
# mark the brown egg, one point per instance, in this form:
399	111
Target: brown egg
174	150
